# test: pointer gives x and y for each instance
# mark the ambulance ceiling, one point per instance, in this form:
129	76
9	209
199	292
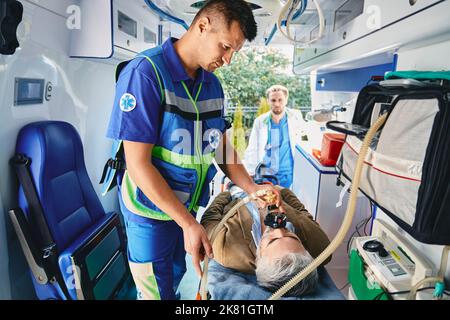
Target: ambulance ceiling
266	13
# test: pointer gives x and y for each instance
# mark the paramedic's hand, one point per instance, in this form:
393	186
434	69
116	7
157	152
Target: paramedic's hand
196	243
266	200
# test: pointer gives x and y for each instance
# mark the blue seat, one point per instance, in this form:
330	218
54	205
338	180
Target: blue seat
90	244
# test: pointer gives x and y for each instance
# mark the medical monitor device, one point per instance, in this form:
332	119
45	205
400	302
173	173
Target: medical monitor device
390	262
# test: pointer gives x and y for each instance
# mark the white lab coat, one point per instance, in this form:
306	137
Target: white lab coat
258	138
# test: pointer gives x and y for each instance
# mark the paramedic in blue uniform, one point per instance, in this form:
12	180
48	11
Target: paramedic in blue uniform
168	114
274	136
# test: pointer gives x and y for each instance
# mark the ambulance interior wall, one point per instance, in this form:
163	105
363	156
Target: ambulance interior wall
83	93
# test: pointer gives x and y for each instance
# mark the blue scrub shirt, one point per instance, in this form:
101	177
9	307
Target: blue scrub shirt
278	155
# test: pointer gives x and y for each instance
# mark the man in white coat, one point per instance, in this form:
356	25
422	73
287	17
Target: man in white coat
274	136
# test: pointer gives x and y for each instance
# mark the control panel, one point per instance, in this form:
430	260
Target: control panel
390	262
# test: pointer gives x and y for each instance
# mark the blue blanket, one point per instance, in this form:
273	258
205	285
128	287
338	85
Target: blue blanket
229	284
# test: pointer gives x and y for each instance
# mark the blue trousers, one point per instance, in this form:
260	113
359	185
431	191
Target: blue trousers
156	256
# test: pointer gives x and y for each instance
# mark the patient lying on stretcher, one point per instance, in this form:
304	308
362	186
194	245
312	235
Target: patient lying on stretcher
275	255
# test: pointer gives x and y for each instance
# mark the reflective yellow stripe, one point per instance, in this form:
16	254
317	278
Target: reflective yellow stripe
129	187
187	162
197	137
145	280
181	160
157	76
129	197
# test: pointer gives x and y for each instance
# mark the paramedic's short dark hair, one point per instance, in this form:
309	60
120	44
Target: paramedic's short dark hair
231	10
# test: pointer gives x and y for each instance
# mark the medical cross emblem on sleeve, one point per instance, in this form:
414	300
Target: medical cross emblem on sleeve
127	102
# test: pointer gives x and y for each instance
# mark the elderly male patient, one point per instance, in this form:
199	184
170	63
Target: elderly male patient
275	255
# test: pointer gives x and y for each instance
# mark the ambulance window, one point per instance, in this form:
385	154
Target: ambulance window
149	36
127	25
347	12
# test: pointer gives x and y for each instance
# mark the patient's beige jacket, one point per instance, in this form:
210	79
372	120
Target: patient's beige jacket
234	246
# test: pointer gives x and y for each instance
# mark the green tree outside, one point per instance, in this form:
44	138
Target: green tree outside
263	107
238	133
254	70
246	80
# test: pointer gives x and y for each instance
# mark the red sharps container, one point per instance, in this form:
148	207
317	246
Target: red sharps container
331	147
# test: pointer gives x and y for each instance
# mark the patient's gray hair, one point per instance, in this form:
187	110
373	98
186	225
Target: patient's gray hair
273	274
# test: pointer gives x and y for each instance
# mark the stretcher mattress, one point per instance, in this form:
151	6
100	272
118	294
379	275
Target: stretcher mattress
228	284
